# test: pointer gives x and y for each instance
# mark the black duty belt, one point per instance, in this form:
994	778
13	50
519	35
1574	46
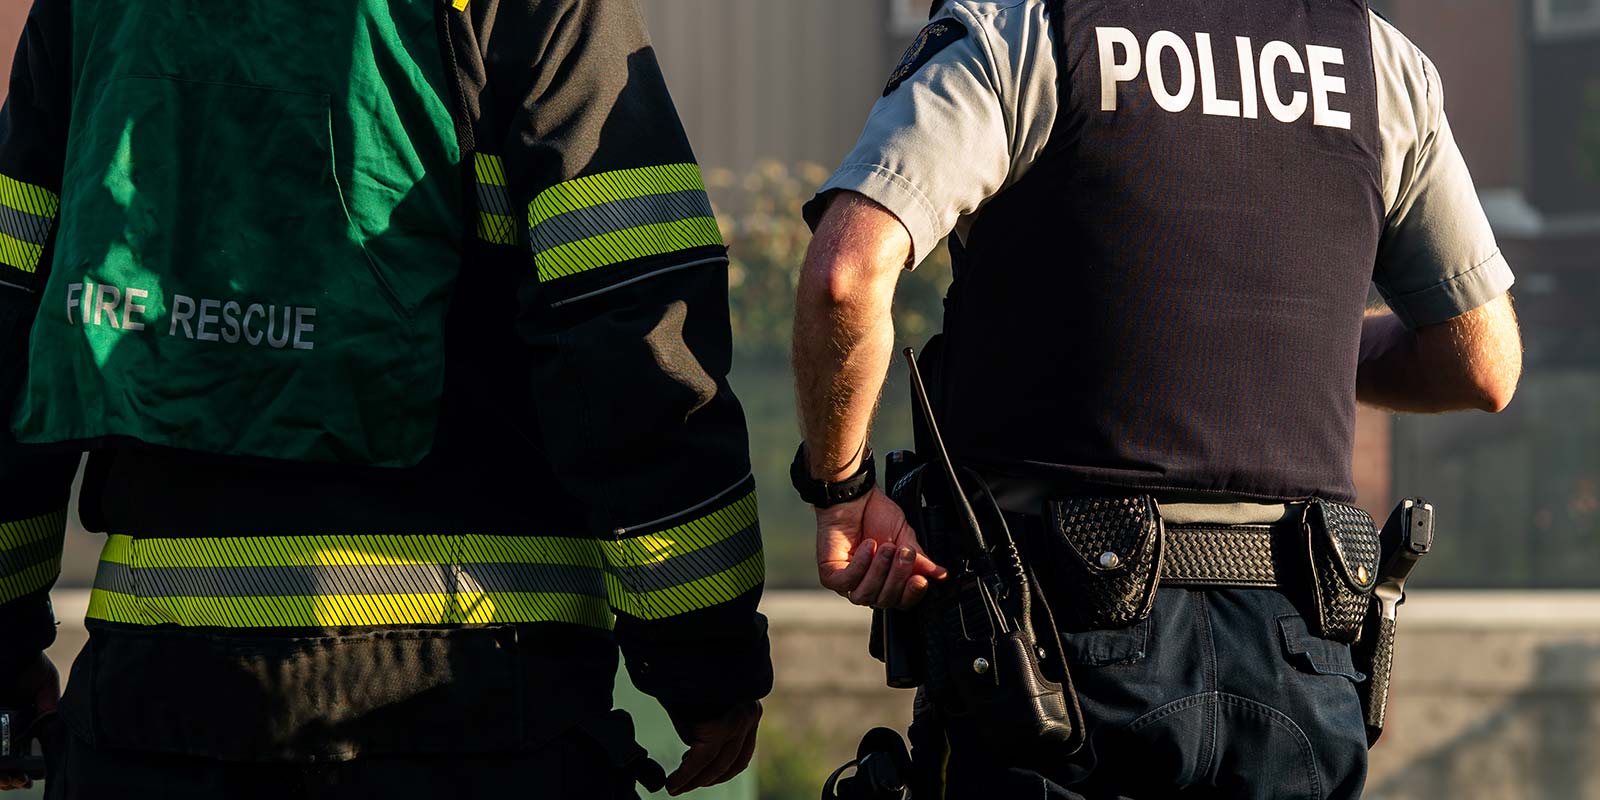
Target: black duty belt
1200	555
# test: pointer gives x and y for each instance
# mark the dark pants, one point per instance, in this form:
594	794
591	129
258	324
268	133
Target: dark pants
1219	694
571	768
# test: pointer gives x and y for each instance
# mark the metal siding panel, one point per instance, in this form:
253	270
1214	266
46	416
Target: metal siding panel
760	79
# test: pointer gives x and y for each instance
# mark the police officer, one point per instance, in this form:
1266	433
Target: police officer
1166	219
398	333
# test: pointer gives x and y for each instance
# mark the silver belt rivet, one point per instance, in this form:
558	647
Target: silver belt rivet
1110	560
980	666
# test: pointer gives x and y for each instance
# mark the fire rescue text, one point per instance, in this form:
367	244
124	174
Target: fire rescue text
200	319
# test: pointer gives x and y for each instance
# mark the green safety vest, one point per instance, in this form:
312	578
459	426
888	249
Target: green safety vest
261	223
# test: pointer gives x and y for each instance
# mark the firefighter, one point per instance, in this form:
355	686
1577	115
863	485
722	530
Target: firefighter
397	335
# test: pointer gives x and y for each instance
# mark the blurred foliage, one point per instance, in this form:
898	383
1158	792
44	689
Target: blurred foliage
790	764
759	212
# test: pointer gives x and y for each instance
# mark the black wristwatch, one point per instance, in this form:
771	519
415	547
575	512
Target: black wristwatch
823	494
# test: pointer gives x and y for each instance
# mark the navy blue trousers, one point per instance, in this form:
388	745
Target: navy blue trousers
1219	694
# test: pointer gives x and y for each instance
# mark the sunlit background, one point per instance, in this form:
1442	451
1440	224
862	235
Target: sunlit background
1498	683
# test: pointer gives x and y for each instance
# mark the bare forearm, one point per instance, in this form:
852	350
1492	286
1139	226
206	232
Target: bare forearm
844	331
841	354
1473	361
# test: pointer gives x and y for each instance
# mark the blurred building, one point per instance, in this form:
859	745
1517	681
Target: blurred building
1521	492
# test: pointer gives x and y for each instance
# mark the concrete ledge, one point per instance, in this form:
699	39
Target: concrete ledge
1495	694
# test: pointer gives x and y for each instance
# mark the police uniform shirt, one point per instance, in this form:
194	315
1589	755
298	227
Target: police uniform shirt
974	102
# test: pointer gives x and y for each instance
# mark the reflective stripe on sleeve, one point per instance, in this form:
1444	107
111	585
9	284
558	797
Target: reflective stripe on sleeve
350	580
27	214
496	223
619	216
30	554
698	564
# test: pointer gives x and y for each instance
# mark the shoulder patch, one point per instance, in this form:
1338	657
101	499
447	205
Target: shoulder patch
937	36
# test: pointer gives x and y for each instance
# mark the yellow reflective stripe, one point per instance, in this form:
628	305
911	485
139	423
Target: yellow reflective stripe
29	199
684	551
497	228
495	224
606	187
19	254
681	540
362	550
30	579
490	169
24	540
624	245
693	596
118	549
33	529
327	611
249	581
117	607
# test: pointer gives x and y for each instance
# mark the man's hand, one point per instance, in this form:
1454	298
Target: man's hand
719	748
35	692
866	551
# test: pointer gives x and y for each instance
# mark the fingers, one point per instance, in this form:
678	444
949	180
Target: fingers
925	566
916	587
845	579
717	770
695	762
739	764
894	587
718	758
871	584
14	780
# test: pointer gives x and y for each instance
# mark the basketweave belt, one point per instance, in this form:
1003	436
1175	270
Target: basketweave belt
1199	555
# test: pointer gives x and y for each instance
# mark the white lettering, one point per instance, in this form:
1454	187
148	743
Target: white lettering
1210	103
301	326
1296	107
230	322
1112	71
274	339
253	336
1174	102
102	305
1247	77
1323	84
208	317
74	292
129	308
1258	76
182	311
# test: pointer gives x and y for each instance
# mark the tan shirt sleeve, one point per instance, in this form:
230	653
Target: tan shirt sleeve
964	126
1437	258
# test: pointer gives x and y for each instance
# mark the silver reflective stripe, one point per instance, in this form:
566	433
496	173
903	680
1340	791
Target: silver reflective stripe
333	580
28	554
619	215
24	226
693	566
114	577
494	199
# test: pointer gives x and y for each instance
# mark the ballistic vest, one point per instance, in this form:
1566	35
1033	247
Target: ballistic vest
1171	298
261	223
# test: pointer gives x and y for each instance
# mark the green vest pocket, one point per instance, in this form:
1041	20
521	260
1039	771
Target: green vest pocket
248	270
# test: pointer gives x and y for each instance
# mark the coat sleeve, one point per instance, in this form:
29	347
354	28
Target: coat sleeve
624	309
34	485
